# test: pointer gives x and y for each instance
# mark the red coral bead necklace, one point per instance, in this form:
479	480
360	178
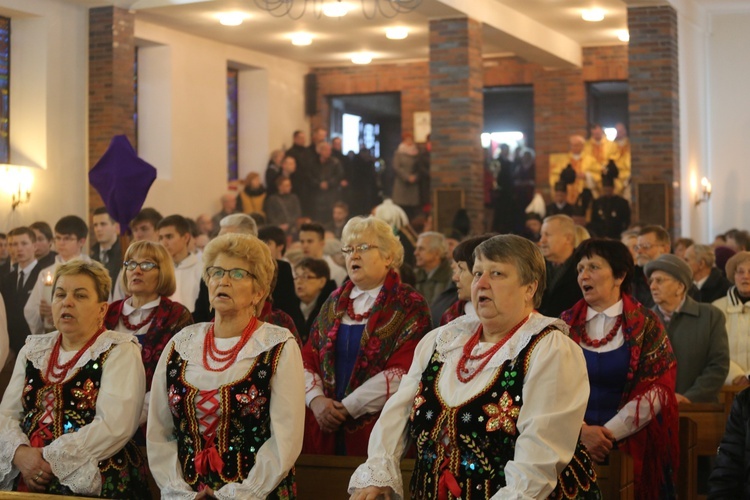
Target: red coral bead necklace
606	340
56	372
462	372
229	356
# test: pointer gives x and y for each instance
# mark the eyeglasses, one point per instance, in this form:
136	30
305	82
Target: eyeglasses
348	250
305	277
646	247
236	274
145	266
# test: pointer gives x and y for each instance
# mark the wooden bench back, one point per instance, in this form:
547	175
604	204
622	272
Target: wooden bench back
616	478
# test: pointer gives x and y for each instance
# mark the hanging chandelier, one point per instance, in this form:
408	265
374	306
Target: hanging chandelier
295	9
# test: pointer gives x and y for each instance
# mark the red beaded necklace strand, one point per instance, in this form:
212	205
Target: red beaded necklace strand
229	356
137	326
57	372
361	317
466	356
606	340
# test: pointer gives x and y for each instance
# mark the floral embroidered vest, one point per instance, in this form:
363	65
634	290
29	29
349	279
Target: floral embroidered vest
244	424
72	405
481	436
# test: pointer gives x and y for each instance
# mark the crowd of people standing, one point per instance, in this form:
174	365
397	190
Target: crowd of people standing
288	323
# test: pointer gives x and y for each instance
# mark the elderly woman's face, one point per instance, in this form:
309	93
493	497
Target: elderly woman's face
462	277
233	293
366	268
599	286
498	295
742	278
142	282
75	305
665	289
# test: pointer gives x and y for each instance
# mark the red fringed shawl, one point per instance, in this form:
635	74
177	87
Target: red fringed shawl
398	321
655	448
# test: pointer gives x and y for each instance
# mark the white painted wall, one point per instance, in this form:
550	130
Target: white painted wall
729	117
48	108
183	127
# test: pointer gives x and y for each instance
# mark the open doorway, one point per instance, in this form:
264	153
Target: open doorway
607	105
372	120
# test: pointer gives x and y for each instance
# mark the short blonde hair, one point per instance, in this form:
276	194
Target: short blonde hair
93	269
734	262
388	245
243	246
167	283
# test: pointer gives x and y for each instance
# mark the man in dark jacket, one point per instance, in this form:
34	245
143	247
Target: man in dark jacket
710	281
610	213
557	245
730	478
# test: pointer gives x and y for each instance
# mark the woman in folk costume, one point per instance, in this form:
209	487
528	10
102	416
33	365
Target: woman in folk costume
493	403
147	312
362	342
632	369
227	399
67	418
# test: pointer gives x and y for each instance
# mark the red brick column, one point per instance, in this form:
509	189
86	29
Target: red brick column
654	106
456	80
111	89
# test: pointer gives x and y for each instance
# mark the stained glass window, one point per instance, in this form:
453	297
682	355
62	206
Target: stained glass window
4	88
232	114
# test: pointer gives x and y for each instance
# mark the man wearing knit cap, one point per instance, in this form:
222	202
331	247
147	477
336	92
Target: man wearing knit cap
696	331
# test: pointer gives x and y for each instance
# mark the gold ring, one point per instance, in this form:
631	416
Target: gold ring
38	475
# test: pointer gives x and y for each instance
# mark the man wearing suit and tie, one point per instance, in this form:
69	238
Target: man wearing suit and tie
16	289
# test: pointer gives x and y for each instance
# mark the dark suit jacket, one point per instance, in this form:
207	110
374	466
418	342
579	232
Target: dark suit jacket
114	259
562	290
714	288
610	216
305	327
47	260
18	329
567	209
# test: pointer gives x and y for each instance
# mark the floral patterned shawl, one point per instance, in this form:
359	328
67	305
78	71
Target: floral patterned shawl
655	448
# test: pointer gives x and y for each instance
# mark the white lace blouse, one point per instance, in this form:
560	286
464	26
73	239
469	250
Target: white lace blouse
74	457
555	393
276	456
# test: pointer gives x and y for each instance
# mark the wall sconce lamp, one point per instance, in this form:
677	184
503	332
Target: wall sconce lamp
17	181
704	193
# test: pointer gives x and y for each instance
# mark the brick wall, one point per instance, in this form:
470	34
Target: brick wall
111	100
456	114
559	95
654	102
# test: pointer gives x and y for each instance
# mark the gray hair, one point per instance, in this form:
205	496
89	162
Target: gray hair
567	225
435	241
705	254
523	254
243	224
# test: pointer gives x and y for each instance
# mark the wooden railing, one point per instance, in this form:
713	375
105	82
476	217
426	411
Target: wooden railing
327	477
615	478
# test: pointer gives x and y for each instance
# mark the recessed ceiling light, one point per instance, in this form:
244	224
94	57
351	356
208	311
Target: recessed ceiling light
231	18
335	9
396	33
593	15
301	39
362	58
623	35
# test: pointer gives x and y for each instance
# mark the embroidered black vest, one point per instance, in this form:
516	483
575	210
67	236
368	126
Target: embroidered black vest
74	406
481	435
244	423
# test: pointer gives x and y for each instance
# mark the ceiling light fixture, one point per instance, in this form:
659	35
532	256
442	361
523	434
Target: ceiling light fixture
362	58
335	9
593	15
295	9
623	35
301	39
231	18
396	33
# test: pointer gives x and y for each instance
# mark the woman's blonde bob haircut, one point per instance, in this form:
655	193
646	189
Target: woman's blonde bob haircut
156	253
94	270
246	247
523	254
361	229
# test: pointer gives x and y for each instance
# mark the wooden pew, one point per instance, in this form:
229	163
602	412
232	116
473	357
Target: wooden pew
327	477
710	420
615	478
687	475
